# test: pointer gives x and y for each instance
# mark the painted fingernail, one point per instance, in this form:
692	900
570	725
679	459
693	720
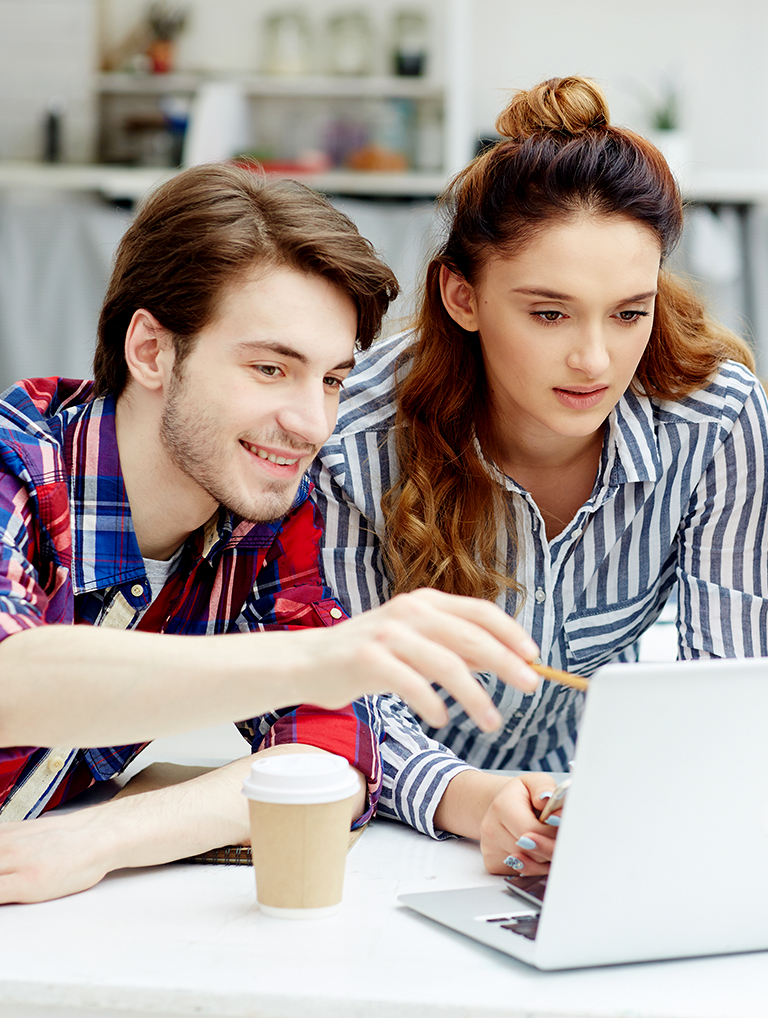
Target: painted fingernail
553	821
545	795
527	843
513	862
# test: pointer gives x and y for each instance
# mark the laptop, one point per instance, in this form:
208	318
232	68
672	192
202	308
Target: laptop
662	851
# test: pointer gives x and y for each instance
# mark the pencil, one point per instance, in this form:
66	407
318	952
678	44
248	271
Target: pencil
564	678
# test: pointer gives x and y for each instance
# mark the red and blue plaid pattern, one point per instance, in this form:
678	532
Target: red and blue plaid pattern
69	551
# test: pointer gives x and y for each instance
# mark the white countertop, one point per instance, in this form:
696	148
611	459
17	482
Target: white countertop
187	939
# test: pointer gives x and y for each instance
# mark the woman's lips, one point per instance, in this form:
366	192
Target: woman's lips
575	400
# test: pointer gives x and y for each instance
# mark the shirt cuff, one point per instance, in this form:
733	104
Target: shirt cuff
348	732
412	789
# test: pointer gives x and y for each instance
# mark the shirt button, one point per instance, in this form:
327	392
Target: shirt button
540	595
578	532
336	613
55	763
137	590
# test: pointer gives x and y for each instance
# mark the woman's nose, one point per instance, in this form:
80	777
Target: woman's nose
589	353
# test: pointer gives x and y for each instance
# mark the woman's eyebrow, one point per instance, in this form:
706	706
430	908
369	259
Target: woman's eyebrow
640	296
554	295
548	294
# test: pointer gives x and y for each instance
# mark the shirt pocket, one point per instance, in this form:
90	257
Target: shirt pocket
722	622
595	636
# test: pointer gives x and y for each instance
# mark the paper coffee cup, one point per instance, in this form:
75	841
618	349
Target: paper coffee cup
300	814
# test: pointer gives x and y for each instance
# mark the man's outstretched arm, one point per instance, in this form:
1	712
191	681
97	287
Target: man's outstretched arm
63	853
104	686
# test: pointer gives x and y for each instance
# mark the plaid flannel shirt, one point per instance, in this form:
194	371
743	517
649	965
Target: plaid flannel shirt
69	555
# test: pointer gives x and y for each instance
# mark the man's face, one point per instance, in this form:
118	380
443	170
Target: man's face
248	409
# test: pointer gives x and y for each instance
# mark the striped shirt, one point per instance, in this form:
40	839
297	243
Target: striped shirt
680	499
69	554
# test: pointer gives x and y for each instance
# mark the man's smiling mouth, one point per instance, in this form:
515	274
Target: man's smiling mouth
272	457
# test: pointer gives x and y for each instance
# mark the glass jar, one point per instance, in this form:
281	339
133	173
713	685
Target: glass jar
409	46
287	44
350	44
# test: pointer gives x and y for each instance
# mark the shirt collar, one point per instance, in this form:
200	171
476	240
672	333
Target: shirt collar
105	552
632	434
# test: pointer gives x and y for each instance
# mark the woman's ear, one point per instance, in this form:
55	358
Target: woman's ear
459	299
149	351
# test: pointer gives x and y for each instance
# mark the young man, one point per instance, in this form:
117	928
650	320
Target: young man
166	501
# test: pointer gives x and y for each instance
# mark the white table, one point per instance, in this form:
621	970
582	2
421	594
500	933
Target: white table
185	939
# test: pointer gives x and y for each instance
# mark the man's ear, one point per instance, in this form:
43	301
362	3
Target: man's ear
149	351
459	299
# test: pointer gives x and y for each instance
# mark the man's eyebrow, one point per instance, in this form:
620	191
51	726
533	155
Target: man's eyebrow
252	347
554	295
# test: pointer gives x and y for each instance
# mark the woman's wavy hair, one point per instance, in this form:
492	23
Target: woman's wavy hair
206	228
558	158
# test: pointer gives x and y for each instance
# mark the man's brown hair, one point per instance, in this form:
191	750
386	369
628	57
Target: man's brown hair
208	226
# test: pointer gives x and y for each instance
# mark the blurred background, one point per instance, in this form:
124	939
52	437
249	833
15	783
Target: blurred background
374	104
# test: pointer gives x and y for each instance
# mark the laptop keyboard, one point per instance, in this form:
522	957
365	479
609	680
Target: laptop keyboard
524	925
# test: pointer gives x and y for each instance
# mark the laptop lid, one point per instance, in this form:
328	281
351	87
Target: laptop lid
666	818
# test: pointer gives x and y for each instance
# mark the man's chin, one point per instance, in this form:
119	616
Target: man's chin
270	508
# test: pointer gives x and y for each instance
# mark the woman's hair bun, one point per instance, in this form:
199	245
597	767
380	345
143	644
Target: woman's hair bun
569	105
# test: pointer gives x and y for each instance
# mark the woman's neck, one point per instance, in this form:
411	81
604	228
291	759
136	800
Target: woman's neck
559	476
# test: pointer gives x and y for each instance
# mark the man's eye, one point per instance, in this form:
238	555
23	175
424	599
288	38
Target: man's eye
267	369
334	383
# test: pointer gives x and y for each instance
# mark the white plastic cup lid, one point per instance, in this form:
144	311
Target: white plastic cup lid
301	778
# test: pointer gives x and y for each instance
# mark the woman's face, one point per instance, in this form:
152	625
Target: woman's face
562	326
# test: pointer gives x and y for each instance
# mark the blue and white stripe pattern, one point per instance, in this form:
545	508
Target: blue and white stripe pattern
680	497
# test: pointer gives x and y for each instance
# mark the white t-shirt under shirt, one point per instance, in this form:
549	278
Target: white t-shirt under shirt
159	572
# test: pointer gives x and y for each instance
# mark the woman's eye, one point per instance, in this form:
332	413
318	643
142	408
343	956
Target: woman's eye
632	316
549	316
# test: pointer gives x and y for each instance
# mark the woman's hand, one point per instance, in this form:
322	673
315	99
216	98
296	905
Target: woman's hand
512	839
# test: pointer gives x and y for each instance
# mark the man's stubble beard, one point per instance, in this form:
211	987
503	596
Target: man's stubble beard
191	440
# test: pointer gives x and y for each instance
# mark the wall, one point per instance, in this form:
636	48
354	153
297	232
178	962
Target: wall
715	53
47	54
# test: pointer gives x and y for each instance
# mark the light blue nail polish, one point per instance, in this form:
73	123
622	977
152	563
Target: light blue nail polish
553	821
545	795
514	863
527	843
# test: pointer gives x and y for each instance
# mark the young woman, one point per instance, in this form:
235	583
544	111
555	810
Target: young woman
565	431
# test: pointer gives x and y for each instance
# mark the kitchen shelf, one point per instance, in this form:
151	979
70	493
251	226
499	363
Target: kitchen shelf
375	121
268	86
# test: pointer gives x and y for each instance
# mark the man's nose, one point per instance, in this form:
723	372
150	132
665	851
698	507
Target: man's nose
307	415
